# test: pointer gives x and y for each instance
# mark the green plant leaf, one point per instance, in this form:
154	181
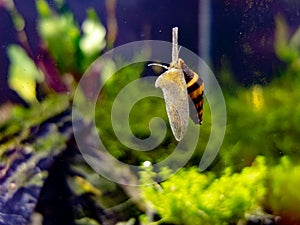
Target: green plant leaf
23	74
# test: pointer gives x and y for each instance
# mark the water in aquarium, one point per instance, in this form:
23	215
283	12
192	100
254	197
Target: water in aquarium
144	112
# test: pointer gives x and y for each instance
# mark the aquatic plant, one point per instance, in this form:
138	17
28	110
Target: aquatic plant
283	191
64	51
37	150
191	197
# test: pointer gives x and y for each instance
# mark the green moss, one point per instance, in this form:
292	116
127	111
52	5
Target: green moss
17	126
190	197
86	221
139	117
283	193
263	120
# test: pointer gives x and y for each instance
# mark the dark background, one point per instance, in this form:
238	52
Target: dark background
234	25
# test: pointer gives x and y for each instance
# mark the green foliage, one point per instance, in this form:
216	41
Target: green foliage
190	197
287	49
283	193
263	120
17	126
86	221
23	74
71	51
139	117
54	138
71	47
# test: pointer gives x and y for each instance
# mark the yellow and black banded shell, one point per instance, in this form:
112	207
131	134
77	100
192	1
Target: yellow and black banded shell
177	83
195	88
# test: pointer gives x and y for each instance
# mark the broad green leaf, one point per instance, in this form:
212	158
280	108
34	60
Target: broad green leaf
23	74
93	39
